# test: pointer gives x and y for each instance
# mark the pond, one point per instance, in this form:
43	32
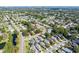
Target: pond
2	45
14	39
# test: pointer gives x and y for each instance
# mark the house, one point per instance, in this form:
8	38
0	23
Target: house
67	50
75	42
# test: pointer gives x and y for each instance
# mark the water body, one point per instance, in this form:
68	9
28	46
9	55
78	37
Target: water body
14	39
2	45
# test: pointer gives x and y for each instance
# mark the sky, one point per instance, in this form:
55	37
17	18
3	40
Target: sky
39	3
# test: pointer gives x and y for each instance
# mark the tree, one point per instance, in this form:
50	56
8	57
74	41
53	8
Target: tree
1	38
54	29
9	45
3	29
76	49
24	32
27	46
60	30
77	28
32	33
47	35
29	26
63	31
8	48
72	37
38	31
